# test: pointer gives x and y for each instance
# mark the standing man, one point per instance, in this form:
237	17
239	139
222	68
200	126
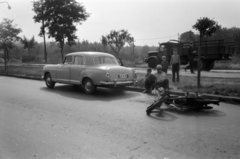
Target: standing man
190	57
175	63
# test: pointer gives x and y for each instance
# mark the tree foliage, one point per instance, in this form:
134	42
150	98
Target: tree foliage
28	43
8	35
206	27
40	10
188	36
116	40
60	17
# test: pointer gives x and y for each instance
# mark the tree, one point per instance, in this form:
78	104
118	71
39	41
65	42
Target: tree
144	51
71	43
188	36
60	17
40	9
206	27
236	39
8	35
116	40
28	44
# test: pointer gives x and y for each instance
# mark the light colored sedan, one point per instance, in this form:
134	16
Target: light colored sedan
89	69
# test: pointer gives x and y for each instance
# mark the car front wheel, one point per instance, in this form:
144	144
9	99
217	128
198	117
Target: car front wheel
88	86
48	81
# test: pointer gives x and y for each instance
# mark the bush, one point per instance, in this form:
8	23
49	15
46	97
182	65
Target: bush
28	58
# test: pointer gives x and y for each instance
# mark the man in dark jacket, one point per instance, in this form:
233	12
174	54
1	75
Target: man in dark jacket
190	58
149	81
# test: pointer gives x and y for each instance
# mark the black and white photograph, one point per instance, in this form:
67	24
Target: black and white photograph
119	79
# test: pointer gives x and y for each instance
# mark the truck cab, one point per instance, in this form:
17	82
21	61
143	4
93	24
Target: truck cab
165	49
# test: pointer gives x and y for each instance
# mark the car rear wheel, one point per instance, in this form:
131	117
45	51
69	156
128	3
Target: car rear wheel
88	86
48	81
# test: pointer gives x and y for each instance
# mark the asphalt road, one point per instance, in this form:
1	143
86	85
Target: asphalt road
64	122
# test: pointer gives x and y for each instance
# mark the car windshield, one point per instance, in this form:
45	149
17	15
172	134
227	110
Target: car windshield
101	60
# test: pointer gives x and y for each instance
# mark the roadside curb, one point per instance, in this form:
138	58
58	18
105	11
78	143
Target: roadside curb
21	76
221	98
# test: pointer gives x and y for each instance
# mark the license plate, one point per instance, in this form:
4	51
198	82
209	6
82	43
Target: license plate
122	75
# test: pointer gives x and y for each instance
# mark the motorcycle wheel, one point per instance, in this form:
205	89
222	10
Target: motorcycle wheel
156	104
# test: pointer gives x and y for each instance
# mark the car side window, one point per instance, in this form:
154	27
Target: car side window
68	60
105	60
97	60
79	60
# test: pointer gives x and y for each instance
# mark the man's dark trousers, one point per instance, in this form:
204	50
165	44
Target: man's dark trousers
175	70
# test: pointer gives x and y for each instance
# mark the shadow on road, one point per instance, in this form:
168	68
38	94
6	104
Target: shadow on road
210	113
166	114
162	115
102	94
197	113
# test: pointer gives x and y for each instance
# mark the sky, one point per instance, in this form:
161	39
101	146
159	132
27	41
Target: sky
149	21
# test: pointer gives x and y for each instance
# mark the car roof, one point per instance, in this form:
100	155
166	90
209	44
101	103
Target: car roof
90	53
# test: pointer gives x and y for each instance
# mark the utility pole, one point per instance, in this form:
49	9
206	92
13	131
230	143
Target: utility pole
133	46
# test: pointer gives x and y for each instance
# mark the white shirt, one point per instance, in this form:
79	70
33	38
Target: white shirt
161	76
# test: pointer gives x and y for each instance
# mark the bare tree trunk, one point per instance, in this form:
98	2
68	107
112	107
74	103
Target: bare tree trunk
199	63
7	51
5	59
62	52
61	46
45	50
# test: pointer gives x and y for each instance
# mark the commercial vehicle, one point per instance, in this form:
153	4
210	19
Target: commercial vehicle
211	51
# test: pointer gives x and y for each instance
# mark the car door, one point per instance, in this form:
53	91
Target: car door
79	64
63	71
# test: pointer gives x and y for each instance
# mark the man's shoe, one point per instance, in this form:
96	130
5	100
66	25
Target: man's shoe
193	72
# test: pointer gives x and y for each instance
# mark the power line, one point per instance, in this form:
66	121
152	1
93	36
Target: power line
158	38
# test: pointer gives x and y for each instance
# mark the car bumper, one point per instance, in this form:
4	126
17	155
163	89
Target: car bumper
118	83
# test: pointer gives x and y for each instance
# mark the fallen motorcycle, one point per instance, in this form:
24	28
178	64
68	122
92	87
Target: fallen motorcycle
182	102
